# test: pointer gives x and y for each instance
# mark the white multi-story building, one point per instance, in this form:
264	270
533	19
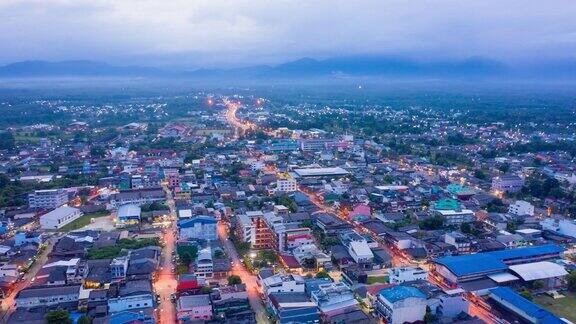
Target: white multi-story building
406	274
401	304
287	184
59	217
457	217
357	247
521	208
48	199
246	229
204	265
507	183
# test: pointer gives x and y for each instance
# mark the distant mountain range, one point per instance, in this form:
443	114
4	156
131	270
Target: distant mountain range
343	67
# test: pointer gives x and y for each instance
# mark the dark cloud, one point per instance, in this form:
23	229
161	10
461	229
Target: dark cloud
237	32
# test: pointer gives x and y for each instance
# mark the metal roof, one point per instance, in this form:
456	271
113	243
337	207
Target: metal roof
492	261
516	301
539	270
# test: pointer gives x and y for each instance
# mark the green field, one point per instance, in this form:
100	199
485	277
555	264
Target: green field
563	307
82	221
377	279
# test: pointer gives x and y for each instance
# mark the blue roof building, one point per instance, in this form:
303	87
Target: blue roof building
401	304
456	269
522	307
198	227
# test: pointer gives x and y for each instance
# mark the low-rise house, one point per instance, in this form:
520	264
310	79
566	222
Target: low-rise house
138	197
460	241
334	298
119	267
293	307
47	296
283	283
406	274
133	295
197	307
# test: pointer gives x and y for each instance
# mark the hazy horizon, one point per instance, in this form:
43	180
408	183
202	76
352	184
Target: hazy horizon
227	34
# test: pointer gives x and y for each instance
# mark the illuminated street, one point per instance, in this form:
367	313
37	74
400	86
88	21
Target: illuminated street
165	282
247	278
8	302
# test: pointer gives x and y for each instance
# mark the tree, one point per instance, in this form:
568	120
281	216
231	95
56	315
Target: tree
504	167
234	280
526	294
432	223
466	228
7	141
309	263
511	226
480	174
307	223
429	317
538	284
268	256
187	253
85	319
572	281
97	151
206	289
58	317
323	274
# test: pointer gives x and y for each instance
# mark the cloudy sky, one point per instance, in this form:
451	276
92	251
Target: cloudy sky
225	33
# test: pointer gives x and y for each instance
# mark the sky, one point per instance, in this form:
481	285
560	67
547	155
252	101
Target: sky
231	33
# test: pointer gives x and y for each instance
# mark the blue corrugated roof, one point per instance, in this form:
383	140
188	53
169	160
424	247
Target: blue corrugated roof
525	305
396	293
197	219
526	252
492	261
471	264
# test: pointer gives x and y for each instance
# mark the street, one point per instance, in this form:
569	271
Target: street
9	301
247	278
165	281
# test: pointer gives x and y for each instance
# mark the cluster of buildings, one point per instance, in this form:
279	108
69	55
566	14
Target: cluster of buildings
356	228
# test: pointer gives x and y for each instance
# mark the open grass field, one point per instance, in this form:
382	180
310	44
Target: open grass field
82	221
563	307
377	279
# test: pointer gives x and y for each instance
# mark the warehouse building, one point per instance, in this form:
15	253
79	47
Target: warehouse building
497	266
59	217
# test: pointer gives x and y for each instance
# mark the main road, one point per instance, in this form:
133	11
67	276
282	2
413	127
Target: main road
165	281
238	268
8	303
